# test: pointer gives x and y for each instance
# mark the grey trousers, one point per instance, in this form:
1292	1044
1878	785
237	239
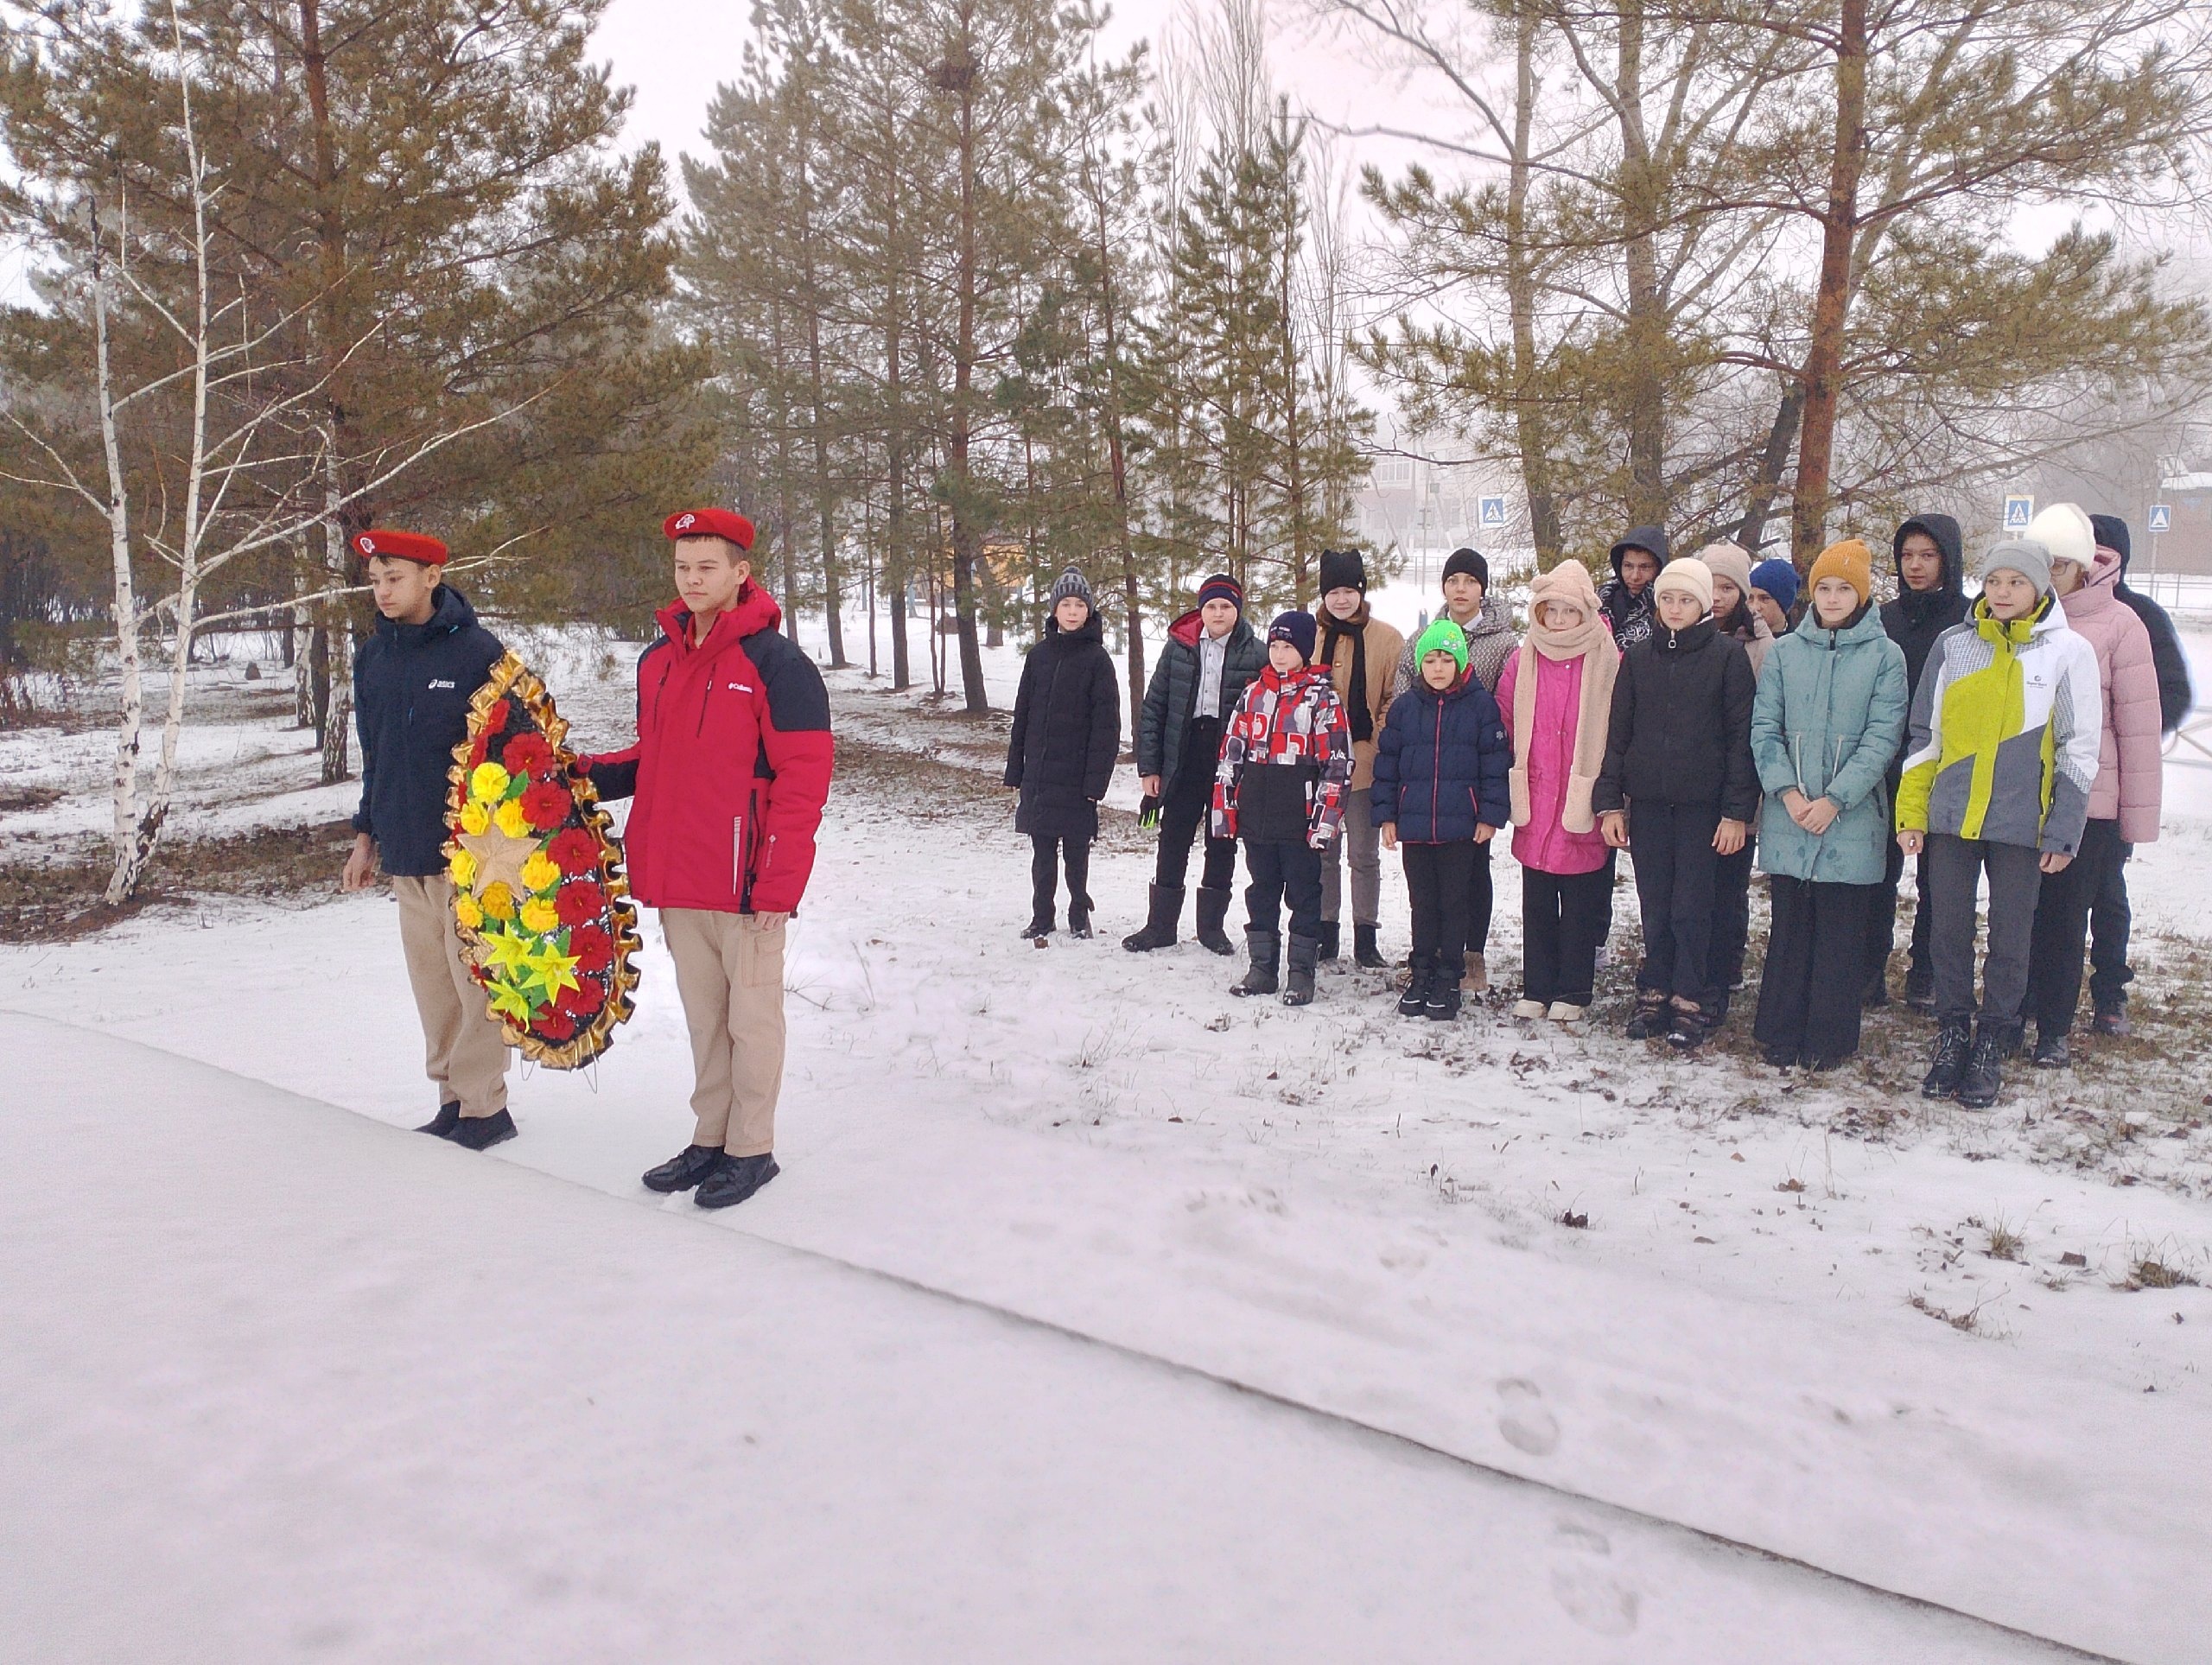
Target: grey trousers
1359	844
1954	870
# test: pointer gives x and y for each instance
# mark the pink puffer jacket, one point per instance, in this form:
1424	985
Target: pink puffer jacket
2128	764
1548	754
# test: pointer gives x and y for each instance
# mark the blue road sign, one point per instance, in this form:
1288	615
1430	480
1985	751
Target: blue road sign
2018	512
2161	517
1493	513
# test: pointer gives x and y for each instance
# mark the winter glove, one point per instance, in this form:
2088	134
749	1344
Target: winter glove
1148	812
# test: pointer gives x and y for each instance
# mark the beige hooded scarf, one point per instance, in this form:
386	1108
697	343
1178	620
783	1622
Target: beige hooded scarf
1567	585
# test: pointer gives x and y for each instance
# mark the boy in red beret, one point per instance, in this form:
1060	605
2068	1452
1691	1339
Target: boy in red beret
412	683
728	776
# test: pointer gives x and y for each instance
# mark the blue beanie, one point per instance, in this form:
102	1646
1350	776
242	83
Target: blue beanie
1778	579
1296	628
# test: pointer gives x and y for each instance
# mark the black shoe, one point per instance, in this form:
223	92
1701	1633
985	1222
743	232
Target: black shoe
1715	1012
1328	939
443	1123
1038	929
684	1169
1265	950
1687	1027
1992	1044
2111	1022
1819	1063
1298	982
737	1179
1920	992
1954	1042
1443	1003
2051	1049
1213	910
1650	1016
1080	908
1414	1000
1159	924
480	1132
1364	950
1779	1057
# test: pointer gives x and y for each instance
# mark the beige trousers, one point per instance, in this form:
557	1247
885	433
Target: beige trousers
465	1048
729	972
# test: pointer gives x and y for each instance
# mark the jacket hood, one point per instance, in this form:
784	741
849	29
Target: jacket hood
1188	628
755	611
449	611
2100	590
2048	615
1642	537
1945	531
2111	532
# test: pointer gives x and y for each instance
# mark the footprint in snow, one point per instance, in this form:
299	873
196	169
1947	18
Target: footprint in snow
1524	1418
1592	1595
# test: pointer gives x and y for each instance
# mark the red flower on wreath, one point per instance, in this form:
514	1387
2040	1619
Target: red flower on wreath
557	1025
527	753
574	852
586	998
579	901
479	749
544	805
593	948
495	719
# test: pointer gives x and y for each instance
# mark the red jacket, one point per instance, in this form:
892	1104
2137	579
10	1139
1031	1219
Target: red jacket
731	766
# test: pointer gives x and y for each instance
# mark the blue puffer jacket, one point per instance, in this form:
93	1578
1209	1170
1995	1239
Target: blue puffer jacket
1441	763
411	688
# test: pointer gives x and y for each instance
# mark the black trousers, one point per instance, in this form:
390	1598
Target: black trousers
1677	872
2111	919
1481	898
1046	853
1882	921
1283	874
1731	919
1438	879
1804	1007
2062	928
1184	809
1565	920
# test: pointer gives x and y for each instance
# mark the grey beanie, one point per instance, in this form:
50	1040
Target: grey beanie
2024	555
1072	582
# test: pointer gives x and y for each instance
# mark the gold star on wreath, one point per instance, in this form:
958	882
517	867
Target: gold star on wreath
499	857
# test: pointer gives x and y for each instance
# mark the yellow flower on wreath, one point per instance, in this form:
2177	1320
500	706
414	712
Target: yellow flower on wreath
541	872
510	820
461	866
475	819
540	916
497	901
488	783
466	910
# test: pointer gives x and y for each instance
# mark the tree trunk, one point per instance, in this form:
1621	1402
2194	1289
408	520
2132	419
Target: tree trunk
1831	299
1521	307
131	719
1647	334
1781	438
824	503
966	537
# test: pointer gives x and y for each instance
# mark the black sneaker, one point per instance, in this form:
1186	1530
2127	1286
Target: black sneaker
1443	1003
2052	1051
737	1179
2111	1022
1819	1063
685	1169
1992	1044
442	1124
480	1132
1954	1041
1038	929
1414	1000
1650	1020
1687	1027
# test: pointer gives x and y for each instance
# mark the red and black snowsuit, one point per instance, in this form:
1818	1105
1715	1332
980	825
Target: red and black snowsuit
731	766
1285	763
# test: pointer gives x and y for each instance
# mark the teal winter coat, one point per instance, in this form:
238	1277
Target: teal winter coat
1830	715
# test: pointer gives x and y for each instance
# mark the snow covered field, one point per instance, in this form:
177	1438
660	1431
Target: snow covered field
242	1363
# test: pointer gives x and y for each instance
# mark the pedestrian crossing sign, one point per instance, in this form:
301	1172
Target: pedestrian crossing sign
1493	513
2162	517
2018	512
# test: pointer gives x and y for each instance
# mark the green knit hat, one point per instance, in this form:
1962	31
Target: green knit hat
1442	637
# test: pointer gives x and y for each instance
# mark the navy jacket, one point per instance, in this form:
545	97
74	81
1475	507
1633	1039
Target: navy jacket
1441	763
411	689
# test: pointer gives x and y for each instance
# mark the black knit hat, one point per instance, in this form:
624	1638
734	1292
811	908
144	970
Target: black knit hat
1343	569
1221	587
1299	629
1470	562
1072	582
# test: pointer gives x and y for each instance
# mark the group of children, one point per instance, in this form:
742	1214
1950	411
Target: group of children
1692	713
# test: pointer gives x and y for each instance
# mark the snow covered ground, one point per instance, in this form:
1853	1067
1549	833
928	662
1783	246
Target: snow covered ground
1335	1208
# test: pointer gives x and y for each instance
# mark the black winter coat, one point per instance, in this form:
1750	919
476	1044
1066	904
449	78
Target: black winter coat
1681	725
1067	731
1165	716
2167	659
411	688
1442	764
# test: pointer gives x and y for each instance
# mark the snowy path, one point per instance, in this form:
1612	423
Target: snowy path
277	1381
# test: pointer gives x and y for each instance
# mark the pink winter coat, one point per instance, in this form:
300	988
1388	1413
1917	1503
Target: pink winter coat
2128	764
1543	843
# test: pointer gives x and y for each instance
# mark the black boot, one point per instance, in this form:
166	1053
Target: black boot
1650	1018
1992	1044
443	1123
1443	1002
1297	987
1364	950
1328	939
1213	910
1687	1025
684	1169
1159	924
1265	948
2111	1021
2051	1049
1954	1041
1078	926
1920	989
480	1132
1414	1000
1038	928
737	1179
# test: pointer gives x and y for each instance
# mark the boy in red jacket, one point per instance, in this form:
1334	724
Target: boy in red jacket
729	772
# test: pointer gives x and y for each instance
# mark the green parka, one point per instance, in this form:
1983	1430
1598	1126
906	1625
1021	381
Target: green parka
1829	716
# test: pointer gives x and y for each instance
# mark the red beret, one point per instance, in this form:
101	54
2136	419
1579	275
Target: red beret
710	522
400	546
